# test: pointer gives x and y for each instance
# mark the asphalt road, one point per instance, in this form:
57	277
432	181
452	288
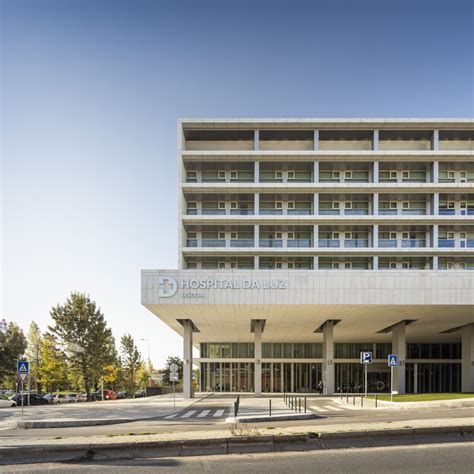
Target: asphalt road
455	458
210	414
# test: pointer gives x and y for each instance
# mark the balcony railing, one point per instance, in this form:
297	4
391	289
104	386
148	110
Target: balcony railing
356	212
213	242
447	212
241	212
299	212
329	243
387	243
387	212
411	243
353	243
414	212
469	243
329	212
271	243
446	243
271	212
191	242
299	243
242	242
213	212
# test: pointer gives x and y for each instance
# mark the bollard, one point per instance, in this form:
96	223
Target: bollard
299	405
362	400
375	400
270	406
305	404
341	393
347	394
354	399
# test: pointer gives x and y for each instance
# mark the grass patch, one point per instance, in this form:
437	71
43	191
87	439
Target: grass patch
424	397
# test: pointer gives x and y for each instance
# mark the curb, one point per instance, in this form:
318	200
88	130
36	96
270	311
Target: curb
251	419
234	445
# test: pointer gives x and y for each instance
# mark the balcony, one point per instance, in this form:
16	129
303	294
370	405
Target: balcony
299	243
271	212
213	243
446	212
241	212
300	212
271	243
329	212
387	212
414	212
356	212
446	243
213	212
356	243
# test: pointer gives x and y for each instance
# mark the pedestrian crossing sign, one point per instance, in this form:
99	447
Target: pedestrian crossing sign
23	367
392	360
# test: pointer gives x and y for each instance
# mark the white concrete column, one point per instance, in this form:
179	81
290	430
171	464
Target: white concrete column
316	204
435	172
315	262
467	361
256	172
375	235
256	262
435	210
316	172
315	236
435	140
375	262
375	204
435	237
316	140
188	359
375	140
328	358
435	262
375	172
399	348
258	329
256	140
256	204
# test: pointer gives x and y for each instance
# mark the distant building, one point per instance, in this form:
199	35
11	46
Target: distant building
304	242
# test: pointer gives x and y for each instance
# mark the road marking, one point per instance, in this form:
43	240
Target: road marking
203	413
326	408
188	414
218	413
171	416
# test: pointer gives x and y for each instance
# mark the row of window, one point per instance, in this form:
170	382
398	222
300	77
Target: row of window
299	350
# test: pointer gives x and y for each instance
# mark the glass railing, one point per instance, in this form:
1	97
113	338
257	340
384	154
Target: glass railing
387	243
446	180
388	212
387	180
414	212
191	242
413	243
470	212
213	243
357	180
271	180
297	243
329	243
356	212
213	212
356	243
191	212
470	243
241	212
329	212
300	180
213	180
299	212
242	243
273	243
414	180
271	212
446	212
446	243
242	180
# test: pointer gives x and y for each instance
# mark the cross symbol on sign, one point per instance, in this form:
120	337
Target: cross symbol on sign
167	286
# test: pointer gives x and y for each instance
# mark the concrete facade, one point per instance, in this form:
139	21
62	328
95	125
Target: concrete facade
330	232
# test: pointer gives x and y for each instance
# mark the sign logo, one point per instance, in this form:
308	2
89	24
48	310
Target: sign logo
366	357
392	360
168	287
22	369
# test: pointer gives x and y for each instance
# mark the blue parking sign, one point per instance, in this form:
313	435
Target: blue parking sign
366	357
392	360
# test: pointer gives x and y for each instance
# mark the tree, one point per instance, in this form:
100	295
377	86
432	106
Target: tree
12	343
131	360
111	374
33	353
173	360
143	376
53	370
82	329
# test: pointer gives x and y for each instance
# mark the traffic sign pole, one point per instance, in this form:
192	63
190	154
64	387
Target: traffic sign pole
391	385
365	379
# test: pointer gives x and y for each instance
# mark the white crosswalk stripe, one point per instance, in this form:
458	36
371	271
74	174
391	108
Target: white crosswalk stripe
171	416
218	413
188	414
325	408
203	413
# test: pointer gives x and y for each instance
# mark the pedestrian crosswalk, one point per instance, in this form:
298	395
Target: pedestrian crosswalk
326	408
210	413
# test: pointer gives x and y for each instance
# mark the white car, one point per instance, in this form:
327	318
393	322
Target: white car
65	398
5	402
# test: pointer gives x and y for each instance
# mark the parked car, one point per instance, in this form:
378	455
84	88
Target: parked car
139	394
108	395
122	395
6	402
50	398
35	399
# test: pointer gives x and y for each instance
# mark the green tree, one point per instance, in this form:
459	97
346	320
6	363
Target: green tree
111	373
53	370
131	360
33	353
143	376
82	329
12	344
173	360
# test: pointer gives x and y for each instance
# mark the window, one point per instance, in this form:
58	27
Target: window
348	205
221	265
463	177
278	235
291	235
450	204
278	265
450	174
233	235
393	265
278	175
221	235
335	205
221	174
405	205
405	235
335	265
191	265
347	265
336	175
221	205
335	235
192	235
348	175
291	175
233	264
393	175
291	265
405	265
278	205
291	205
347	235
393	205
393	235
233	205
234	174
191	175
405	174
450	235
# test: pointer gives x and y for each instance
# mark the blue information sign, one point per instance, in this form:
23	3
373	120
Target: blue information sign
23	367
392	360
366	357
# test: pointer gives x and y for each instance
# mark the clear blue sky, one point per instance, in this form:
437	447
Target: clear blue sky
91	92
